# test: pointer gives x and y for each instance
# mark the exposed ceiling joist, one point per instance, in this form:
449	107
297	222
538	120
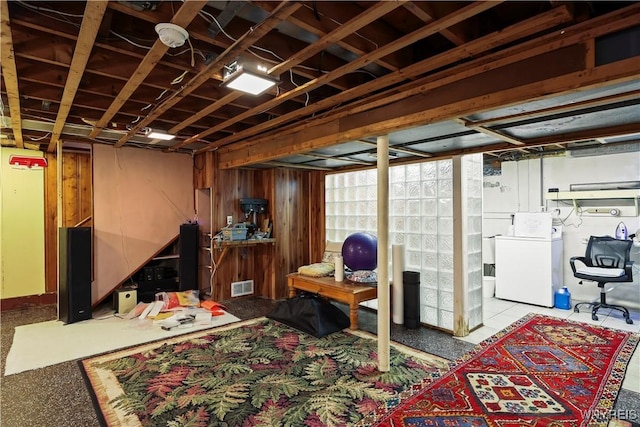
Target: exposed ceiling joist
182	18
397	149
439	78
10	73
481	45
282	12
88	31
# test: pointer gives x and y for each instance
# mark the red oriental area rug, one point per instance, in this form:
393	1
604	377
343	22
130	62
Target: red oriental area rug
541	371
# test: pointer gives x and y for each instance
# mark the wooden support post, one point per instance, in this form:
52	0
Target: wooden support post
384	311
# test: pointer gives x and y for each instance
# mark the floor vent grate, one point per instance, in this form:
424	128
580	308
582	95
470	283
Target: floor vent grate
239	289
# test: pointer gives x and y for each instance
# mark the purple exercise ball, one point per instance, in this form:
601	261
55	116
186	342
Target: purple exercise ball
360	251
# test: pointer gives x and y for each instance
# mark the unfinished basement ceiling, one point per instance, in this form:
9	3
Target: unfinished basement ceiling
440	78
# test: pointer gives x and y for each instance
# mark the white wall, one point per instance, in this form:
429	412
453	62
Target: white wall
505	194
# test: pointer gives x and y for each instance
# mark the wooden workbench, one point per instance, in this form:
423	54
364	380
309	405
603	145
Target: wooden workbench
347	292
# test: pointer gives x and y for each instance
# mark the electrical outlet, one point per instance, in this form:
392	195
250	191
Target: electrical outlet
229	219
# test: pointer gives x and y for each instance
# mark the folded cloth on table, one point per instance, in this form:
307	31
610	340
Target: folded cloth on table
318	269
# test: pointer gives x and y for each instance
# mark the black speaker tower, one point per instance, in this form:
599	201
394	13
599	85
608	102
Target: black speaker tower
188	261
74	293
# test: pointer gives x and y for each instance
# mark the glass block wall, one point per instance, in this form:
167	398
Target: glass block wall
421	219
472	224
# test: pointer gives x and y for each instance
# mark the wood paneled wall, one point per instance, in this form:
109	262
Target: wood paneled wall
77	204
296	208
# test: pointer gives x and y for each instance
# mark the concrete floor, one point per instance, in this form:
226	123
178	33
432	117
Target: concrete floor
57	395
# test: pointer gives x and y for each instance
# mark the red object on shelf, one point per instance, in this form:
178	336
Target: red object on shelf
27	162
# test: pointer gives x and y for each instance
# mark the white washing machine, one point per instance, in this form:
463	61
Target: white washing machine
528	269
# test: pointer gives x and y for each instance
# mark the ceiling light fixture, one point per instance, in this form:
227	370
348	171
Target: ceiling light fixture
172	35
156	134
247	77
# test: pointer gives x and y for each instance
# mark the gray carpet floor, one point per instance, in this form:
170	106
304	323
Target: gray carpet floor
57	396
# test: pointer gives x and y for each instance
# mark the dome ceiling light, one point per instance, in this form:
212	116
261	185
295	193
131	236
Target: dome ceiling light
172	35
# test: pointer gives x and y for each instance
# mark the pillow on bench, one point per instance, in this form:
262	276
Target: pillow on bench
319	269
327	266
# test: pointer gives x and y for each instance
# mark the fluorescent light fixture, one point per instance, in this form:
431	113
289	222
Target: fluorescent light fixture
247	77
154	134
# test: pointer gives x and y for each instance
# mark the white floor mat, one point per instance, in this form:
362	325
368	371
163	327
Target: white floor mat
48	343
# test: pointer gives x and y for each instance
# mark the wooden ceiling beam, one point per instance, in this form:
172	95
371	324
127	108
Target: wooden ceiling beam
341	158
374	12
10	74
187	12
478	46
452	19
560	109
91	20
47	91
358	45
427	18
412	113
111	47
490	132
121	80
578	33
584	135
404	150
200	31
284	10
278	164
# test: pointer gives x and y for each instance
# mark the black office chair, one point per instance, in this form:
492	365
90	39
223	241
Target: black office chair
606	261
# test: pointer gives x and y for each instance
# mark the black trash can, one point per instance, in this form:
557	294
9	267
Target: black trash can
411	297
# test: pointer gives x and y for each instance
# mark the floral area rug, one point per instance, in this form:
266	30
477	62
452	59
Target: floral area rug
253	373
541	371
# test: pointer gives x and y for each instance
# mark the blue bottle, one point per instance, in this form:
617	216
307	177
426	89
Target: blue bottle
562	299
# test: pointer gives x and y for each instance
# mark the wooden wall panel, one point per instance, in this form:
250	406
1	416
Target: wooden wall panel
295	228
293	232
316	215
85	186
51	224
70	185
228	187
203	170
77	204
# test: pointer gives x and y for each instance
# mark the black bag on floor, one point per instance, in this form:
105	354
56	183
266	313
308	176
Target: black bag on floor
310	313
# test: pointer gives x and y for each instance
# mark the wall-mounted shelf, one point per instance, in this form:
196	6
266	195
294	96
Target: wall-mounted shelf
631	194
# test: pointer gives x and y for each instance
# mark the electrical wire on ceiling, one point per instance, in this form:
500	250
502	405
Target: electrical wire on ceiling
209	18
40	138
206	15
40	10
50	13
318	13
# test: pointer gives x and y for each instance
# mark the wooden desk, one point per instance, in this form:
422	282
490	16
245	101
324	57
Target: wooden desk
346	292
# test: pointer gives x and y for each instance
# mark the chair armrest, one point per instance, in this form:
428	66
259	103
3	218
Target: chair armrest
628	270
573	259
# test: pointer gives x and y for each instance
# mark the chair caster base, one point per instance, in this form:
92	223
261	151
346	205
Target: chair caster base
596	306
